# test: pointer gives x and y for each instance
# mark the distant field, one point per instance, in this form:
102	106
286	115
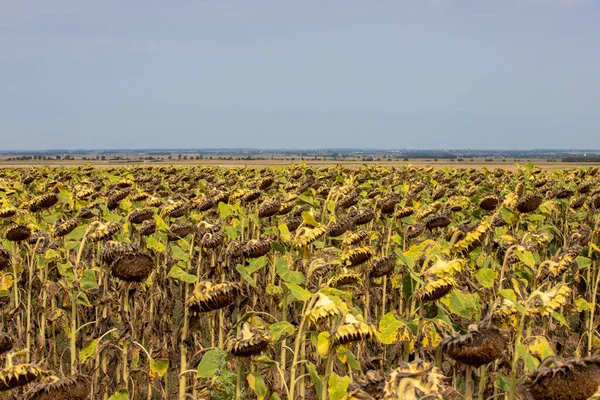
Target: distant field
476	163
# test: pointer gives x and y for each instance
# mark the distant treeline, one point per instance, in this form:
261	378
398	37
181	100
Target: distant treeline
580	159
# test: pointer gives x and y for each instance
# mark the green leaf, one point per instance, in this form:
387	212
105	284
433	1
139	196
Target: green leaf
390	329
275	396
338	386
285	273
510	295
323	345
463	304
583	262
540	348
256	383
77	233
526	257
245	275
279	329
582	304
560	318
530	362
486	277
155	245
89	350
179	254
224	210
284	232
315	378
297	292
88	280
122	394
211	362
52	255
160	223
309	219
158	368
177	273
256	264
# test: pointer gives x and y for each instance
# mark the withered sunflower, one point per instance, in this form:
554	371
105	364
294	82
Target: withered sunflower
18	233
64	228
132	267
479	346
489	203
382	266
574	379
15	376
268	209
77	387
208	297
352	330
256	248
529	203
352	257
249	342
435	289
140	215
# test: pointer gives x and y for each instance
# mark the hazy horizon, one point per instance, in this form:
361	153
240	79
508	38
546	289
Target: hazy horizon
404	74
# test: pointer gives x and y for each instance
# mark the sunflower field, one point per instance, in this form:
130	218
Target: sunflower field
292	282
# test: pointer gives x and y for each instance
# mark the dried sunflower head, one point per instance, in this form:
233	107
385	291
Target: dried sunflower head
479	346
545	303
19	375
324	308
574	379
414	381
18	233
435	289
7	212
77	387
249	342
352	330
382	266
257	248
345	278
529	203
132	267
489	203
64	228
306	236
208	297
353	257
268	209
140	215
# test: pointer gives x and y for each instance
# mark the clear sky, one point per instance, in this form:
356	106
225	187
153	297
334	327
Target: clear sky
509	74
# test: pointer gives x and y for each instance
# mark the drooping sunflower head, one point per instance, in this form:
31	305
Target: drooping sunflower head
415	380
352	330
545	303
19	375
249	342
208	297
434	289
324	308
132	267
556	378
77	387
18	233
352	257
479	346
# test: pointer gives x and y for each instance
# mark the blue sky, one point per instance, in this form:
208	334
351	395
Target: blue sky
510	74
